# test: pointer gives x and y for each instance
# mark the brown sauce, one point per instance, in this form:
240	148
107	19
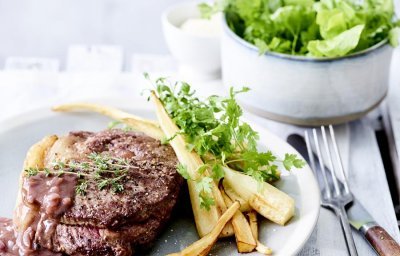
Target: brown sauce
44	200
8	245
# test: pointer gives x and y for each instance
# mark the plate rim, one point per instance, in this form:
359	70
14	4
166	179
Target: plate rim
43	112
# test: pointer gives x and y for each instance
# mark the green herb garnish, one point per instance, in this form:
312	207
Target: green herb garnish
326	28
213	129
119	125
105	171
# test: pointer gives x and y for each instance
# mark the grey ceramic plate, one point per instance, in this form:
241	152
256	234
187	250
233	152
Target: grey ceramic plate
19	133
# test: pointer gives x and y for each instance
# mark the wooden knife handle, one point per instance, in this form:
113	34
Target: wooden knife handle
382	242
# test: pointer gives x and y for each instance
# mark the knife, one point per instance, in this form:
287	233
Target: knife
358	216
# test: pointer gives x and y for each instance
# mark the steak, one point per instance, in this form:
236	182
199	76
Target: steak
101	222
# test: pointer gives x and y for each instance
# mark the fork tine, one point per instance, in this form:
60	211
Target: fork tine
321	164
329	155
311	155
309	152
339	159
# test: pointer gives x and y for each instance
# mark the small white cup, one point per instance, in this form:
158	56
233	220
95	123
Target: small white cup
198	56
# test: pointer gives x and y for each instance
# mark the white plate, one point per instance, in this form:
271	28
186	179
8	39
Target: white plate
19	133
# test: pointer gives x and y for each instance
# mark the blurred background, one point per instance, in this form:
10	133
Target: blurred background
46	28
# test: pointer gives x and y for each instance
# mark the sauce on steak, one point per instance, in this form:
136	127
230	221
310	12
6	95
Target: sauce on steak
98	222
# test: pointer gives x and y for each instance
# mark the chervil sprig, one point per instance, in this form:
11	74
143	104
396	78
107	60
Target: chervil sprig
213	129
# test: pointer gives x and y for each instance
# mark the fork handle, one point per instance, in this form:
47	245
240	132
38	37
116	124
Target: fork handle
380	240
351	246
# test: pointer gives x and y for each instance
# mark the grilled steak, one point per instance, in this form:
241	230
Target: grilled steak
100	222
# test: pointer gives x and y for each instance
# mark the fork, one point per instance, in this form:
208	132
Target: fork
333	196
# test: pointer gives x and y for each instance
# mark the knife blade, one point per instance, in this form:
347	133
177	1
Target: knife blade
358	216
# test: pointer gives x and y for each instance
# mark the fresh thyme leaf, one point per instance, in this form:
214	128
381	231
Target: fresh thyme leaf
116	186
113	124
102	184
119	125
47	172
105	171
81	187
32	171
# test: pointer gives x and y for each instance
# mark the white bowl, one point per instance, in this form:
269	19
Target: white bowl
303	90
198	55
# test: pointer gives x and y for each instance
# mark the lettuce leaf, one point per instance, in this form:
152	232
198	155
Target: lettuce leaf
311	27
331	23
394	36
339	45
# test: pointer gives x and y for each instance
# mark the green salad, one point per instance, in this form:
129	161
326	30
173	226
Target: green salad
326	28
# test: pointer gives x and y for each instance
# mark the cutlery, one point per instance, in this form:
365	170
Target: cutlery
358	217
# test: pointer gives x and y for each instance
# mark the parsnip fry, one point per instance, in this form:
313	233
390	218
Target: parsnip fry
146	126
244	205
203	246
263	249
253	223
205	219
267	200
243	233
254	229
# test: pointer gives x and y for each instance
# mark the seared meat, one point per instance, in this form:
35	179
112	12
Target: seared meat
81	240
105	223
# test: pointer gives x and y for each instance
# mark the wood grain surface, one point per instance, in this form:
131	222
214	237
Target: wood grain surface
383	243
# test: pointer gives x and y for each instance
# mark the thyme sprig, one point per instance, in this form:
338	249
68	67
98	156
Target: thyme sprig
105	171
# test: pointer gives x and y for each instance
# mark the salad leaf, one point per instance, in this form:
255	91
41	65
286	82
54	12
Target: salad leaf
206	10
394	36
311	27
261	45
304	3
340	45
331	23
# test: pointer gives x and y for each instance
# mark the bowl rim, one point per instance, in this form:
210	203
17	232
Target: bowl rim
238	39
165	19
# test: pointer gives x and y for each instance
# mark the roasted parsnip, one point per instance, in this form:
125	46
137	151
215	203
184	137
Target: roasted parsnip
263	249
244	205
254	229
252	215
205	219
203	246
244	238
146	126
267	200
